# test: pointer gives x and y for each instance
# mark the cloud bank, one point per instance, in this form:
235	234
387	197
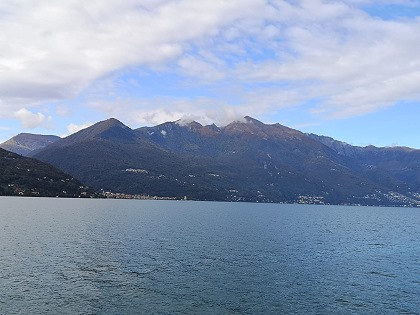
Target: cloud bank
247	56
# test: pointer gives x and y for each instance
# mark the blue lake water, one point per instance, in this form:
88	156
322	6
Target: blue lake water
72	256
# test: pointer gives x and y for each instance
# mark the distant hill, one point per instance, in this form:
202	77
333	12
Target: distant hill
25	143
246	160
395	167
23	176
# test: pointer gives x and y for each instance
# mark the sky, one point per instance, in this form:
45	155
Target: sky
348	69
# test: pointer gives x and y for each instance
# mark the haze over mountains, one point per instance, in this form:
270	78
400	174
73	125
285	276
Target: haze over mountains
25	143
243	161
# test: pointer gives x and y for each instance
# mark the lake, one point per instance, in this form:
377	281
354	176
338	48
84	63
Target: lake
74	256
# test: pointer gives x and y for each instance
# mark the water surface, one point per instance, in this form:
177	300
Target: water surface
72	256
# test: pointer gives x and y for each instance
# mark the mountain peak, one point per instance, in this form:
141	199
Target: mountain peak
246	125
107	124
107	129
245	120
252	120
110	122
189	123
25	143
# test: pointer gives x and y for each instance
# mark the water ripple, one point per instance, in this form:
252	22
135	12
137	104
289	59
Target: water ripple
124	257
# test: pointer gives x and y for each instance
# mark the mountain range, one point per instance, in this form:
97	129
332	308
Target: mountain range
246	160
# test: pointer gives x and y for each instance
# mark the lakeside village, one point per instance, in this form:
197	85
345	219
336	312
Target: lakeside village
113	195
302	199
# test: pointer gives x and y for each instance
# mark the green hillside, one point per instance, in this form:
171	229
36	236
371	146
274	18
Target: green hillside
22	176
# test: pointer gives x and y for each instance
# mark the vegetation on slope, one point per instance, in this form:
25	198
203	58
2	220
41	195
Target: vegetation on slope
22	176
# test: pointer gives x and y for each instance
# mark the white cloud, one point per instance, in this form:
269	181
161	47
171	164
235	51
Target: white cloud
138	112
30	120
309	49
62	110
73	128
225	115
204	69
188	118
354	63
51	51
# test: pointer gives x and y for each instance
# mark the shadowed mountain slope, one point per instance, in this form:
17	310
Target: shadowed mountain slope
396	167
246	160
23	176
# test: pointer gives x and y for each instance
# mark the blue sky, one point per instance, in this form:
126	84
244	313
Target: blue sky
348	69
